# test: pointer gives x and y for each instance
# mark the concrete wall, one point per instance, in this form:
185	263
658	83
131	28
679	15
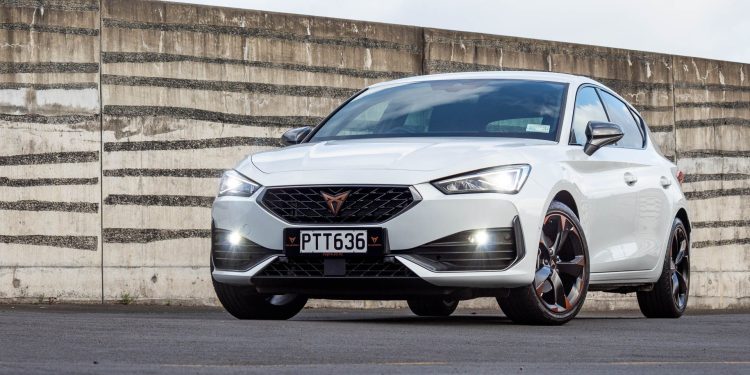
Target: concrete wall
105	190
50	216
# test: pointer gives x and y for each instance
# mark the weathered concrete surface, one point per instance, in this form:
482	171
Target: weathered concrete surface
116	206
49	161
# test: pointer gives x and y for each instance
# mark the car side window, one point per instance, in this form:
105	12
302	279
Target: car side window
620	114
588	108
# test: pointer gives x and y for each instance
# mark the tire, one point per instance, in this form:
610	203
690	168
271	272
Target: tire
432	306
246	303
668	298
553	300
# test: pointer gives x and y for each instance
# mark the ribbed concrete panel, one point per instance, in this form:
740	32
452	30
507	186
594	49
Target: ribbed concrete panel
159	249
41	284
712	113
160	284
249	103
242	71
50	160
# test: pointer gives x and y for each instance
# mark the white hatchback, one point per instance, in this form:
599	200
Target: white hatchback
532	188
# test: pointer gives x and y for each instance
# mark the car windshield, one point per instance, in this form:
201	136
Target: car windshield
451	108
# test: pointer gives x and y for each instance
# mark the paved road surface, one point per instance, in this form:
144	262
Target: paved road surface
127	339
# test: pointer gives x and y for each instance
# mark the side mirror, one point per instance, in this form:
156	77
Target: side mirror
296	135
600	134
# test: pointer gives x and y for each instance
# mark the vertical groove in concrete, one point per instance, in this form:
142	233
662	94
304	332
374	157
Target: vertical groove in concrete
101	152
425	50
674	111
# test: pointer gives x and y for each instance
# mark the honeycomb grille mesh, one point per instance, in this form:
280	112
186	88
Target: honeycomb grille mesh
363	205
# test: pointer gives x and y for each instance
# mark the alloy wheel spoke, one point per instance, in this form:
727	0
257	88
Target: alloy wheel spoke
682	253
540	277
558	289
575	290
675	284
683	285
565	228
546	243
573	267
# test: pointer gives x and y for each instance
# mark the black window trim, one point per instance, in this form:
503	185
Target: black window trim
631	109
575	101
641	123
335	111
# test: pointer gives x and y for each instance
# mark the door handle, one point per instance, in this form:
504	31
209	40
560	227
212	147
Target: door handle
630	179
665	182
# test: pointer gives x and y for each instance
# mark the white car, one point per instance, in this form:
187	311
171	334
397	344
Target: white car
532	188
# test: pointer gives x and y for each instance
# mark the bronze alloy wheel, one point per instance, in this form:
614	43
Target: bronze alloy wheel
561	281
669	296
679	267
561	262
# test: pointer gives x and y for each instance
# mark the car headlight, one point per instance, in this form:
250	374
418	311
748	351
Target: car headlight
236	185
508	180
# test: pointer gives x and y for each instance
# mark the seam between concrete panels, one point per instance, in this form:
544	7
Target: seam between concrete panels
101	156
674	110
423	67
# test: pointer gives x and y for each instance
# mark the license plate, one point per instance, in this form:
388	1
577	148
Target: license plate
334	241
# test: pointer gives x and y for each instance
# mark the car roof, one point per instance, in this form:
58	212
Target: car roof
534	76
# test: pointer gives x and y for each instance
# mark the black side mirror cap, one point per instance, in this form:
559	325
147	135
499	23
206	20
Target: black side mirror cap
295	136
600	134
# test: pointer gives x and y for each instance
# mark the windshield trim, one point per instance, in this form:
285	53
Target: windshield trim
560	121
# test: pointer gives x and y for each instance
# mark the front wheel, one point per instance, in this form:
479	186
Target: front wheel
245	303
561	279
669	297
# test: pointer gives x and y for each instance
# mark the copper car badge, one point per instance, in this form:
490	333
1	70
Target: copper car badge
335	202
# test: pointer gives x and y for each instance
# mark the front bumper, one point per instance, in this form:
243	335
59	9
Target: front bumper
433	218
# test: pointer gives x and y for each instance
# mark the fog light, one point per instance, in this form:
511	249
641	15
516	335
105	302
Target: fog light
480	238
234	239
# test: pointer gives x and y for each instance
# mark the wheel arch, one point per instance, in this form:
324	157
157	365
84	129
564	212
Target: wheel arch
566	198
683	216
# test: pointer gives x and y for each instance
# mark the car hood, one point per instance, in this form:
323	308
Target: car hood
398	154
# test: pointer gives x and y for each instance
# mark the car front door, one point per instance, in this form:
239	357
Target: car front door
607	212
624	208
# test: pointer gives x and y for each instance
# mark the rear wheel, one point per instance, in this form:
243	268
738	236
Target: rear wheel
562	273
669	297
433	306
245	303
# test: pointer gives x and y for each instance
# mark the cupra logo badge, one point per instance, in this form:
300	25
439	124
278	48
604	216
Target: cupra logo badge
335	202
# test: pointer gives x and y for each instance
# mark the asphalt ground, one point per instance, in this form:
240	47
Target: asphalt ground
36	339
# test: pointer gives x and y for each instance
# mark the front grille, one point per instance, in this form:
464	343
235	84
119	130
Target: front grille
355	267
362	205
235	257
